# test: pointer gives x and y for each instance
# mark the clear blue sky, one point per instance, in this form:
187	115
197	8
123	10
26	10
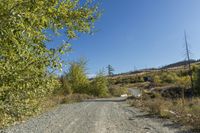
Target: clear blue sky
140	33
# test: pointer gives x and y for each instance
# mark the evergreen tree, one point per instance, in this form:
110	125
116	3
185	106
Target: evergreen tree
110	70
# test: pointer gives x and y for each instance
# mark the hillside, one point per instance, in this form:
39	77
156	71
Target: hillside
180	63
173	66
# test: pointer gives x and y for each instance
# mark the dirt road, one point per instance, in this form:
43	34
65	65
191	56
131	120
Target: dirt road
95	116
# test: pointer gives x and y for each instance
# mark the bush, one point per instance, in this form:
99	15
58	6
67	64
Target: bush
187	114
99	86
183	82
197	82
159	107
77	77
76	81
65	88
25	59
24	100
156	80
118	91
168	77
75	98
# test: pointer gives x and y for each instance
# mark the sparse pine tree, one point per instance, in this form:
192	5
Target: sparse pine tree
110	70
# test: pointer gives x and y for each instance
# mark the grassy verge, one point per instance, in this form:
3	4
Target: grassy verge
62	99
186	113
117	91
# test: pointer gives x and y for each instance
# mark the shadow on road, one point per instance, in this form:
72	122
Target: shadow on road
106	100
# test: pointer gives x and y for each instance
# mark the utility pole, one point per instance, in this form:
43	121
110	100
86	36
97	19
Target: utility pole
189	64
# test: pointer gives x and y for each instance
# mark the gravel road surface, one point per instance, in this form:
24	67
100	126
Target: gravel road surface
95	116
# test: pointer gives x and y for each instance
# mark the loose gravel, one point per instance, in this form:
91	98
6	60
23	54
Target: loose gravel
95	116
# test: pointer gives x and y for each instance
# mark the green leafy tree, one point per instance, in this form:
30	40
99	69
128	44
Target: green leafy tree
99	85
26	64
77	77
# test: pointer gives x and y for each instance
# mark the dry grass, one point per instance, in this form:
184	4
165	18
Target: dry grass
62	99
187	114
118	90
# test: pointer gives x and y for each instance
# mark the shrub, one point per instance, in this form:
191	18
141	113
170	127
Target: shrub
65	86
159	107
117	91
197	82
156	80
139	79
195	117
75	98
99	86
183	82
168	77
77	77
20	102
25	58
187	114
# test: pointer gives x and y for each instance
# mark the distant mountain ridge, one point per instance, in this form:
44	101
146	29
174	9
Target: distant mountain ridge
180	63
170	66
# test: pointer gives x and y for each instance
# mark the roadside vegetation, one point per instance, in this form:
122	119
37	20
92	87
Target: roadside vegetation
75	82
166	93
117	91
30	84
186	114
27	65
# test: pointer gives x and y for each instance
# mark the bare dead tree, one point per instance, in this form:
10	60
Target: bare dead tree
188	63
